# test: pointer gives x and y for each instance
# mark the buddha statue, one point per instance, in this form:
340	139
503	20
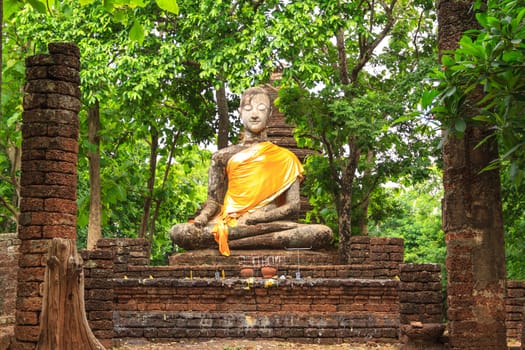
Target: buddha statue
253	193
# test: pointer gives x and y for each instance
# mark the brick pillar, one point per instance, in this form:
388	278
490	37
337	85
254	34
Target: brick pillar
476	288
515	307
523	330
48	206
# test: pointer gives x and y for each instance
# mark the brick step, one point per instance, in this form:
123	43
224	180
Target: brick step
382	270
254	258
327	310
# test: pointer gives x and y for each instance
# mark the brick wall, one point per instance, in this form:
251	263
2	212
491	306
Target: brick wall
9	244
125	297
376	256
310	310
420	293
113	257
515	306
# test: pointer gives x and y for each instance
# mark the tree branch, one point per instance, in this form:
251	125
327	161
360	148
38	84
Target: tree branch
9	207
367	50
416	34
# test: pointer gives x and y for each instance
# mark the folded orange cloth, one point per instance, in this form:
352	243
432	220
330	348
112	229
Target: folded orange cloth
256	176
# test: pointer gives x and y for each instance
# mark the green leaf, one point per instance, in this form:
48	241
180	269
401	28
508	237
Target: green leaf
520	15
137	32
493	22
37	5
86	2
10	7
120	16
428	97
460	125
447	60
14	118
169	5
482	18
482	118
109	5
513	56
450	91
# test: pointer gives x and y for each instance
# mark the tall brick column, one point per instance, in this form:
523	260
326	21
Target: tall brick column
472	212
48	206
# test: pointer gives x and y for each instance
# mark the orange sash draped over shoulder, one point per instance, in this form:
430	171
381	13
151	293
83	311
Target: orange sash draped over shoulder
256	176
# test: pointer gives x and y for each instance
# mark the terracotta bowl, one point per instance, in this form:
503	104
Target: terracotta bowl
246	272
268	271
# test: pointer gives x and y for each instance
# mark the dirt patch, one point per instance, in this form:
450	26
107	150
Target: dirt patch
242	344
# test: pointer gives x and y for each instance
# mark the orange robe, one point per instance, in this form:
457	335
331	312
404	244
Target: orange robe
256	176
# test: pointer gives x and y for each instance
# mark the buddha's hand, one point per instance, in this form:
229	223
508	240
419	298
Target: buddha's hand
250	219
200	220
210	208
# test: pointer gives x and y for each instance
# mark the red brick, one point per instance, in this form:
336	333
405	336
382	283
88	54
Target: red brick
32	260
27	333
31	274
46	191
34	246
26	232
60	178
60	231
29	289
27	318
53	219
29	304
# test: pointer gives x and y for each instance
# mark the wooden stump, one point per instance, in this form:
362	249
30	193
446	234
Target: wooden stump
63	322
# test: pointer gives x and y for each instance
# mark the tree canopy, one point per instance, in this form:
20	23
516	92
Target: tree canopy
354	77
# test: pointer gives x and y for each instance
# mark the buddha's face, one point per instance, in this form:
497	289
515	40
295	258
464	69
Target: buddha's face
255	113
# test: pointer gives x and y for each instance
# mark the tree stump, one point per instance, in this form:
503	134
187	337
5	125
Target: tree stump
63	322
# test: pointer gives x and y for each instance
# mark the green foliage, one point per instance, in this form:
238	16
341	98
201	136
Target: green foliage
123	11
13	72
153	66
401	148
514	220
360	108
414	214
490	58
152	72
139	93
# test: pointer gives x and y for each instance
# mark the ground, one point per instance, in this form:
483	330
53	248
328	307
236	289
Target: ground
241	344
261	344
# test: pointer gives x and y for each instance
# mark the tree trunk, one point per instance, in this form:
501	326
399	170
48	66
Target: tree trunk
14	155
472	215
1	47
224	123
366	49
95	202
345	201
362	217
165	179
154	146
63	322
